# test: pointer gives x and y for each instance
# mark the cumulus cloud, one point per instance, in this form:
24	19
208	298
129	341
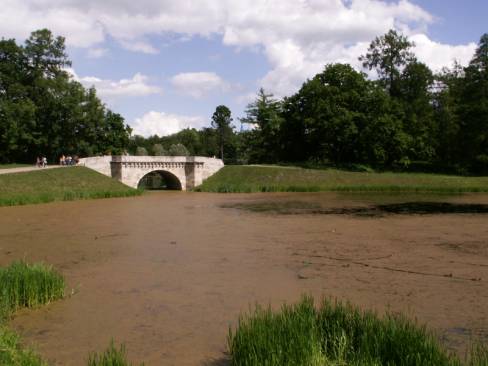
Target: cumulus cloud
136	86
199	84
163	124
297	37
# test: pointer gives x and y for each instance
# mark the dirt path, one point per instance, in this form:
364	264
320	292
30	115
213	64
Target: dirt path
168	273
26	169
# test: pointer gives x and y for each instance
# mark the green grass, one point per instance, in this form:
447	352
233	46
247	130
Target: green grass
13	354
10	166
63	184
112	356
337	334
234	179
25	285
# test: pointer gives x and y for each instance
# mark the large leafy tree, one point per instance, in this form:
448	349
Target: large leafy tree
43	111
342	117
474	108
388	55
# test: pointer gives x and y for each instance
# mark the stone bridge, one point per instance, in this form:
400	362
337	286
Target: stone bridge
179	172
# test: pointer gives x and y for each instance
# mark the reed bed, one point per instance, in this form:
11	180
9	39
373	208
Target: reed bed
63	184
13	354
25	285
247	179
336	334
112	356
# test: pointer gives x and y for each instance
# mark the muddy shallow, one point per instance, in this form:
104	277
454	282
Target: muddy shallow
167	273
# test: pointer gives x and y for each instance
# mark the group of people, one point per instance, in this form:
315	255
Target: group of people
68	160
41	162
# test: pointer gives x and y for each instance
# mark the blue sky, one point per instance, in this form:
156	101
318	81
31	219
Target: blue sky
166	65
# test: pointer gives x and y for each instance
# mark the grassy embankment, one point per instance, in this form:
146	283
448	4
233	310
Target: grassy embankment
30	286
335	334
292	179
63	184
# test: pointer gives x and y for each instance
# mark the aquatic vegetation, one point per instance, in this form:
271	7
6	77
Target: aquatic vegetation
112	356
29	285
235	179
13	354
337	334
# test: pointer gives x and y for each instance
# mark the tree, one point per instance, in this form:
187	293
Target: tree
221	122
178	150
388	55
141	151
415	94
158	150
264	115
474	109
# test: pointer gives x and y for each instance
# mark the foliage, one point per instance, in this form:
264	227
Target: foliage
178	150
221	121
43	111
62	184
336	334
159	150
141	151
264	115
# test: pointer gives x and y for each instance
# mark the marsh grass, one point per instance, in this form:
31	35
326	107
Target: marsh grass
13	354
112	356
246	179
25	285
64	184
337	334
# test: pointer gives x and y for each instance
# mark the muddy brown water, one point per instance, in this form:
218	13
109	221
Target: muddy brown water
167	273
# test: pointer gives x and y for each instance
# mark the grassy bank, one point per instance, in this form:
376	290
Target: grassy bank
64	184
336	334
292	179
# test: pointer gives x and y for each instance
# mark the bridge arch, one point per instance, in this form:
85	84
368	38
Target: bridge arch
160	179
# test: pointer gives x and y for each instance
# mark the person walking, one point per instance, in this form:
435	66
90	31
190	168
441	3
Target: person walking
44	162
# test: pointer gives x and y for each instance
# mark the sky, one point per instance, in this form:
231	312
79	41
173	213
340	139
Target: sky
166	65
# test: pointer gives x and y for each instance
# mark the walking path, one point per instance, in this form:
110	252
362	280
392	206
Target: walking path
27	169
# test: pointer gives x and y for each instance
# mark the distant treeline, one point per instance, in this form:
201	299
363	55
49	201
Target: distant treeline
44	112
407	117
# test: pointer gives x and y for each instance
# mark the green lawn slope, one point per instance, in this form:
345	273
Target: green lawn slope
63	184
255	178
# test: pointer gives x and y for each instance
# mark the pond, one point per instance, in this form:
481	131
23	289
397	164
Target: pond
168	272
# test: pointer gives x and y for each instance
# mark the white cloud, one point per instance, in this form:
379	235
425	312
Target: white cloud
96	52
136	86
162	124
438	55
297	36
199	84
139	46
